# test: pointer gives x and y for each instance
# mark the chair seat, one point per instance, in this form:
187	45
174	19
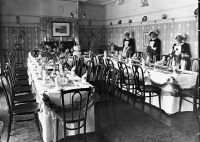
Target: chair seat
22	89
68	114
23	72
25	108
22	83
21	68
1	128
25	98
188	93
150	88
22	77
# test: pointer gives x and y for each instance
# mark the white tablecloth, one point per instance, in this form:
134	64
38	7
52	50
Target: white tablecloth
46	115
170	104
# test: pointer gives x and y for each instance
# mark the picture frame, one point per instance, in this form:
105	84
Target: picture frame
146	39
61	29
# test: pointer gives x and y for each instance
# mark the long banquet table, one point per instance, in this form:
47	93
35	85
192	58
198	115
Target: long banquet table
170	104
47	116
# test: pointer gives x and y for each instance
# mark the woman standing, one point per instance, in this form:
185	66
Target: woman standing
154	46
180	52
128	46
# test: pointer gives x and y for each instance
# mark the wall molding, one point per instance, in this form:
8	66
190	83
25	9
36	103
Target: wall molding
159	21
153	12
36	25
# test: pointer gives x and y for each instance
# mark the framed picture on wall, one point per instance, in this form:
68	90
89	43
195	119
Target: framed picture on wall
61	29
146	39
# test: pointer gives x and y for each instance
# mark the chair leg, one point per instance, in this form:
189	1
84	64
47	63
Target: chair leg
195	103
85	131
143	103
120	93
180	104
38	125
159	97
135	97
128	91
9	127
150	98
57	123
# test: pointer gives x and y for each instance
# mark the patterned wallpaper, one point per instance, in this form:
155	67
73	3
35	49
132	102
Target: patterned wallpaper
167	32
101	36
28	42
92	37
33	35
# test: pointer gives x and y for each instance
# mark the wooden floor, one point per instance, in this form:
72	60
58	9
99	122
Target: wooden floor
184	122
106	129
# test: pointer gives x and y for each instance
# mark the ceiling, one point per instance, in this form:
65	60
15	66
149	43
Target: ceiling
94	2
100	2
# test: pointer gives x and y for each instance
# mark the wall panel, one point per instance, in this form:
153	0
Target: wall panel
167	32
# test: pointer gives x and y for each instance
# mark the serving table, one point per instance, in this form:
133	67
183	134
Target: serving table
169	103
47	116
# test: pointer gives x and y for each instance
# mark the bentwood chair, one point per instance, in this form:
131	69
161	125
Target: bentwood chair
138	55
99	81
19	73
4	58
1	129
109	63
19	109
101	60
195	65
79	66
75	60
165	57
74	113
18	86
127	82
94	59
89	66
191	95
13	64
142	89
108	94
27	96
23	81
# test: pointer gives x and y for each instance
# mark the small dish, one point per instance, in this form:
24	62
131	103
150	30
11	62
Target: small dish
196	12
144	19
164	16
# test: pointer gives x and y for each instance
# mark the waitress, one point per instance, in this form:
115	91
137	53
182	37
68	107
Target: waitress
155	45
128	44
180	52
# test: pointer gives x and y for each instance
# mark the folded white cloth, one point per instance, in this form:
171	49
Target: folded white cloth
73	69
84	76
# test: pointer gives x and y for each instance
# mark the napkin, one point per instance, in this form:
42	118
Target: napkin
73	69
84	76
143	62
